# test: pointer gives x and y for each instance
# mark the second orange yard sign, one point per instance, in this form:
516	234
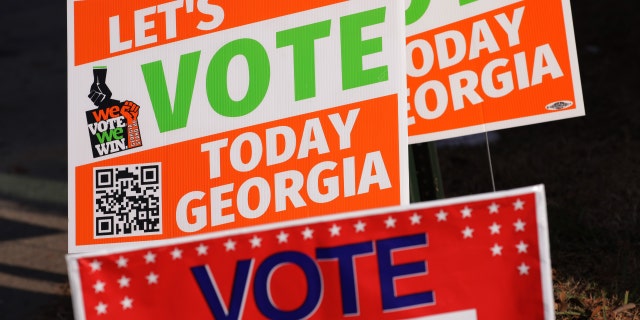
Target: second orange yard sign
477	65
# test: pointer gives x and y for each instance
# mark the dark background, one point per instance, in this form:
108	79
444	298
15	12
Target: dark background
590	165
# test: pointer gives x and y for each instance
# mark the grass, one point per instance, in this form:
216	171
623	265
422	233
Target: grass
576	300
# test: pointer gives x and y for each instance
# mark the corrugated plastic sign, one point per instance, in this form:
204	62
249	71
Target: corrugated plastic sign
190	117
477	65
479	257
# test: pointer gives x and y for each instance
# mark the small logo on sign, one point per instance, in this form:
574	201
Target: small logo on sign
559	105
113	126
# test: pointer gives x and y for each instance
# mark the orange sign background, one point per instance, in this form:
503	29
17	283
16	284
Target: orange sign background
91	19
185	168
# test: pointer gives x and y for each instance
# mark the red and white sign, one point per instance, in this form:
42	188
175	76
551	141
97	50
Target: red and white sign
478	257
189	117
478	65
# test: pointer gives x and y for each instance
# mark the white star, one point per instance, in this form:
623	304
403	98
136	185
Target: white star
307	233
467	233
518	205
230	245
519	225
466	212
99	286
442	216
256	241
523	269
390	222
496	250
335	230
360	226
202	249
150	257
101	308
522	247
176	254
124	281
415	218
127	303
122	262
95	265
283	237
493	208
495	228
152	278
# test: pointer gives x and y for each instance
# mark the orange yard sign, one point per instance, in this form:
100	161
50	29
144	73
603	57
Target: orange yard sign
489	65
192	117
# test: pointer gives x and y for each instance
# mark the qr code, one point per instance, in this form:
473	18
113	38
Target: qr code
127	200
